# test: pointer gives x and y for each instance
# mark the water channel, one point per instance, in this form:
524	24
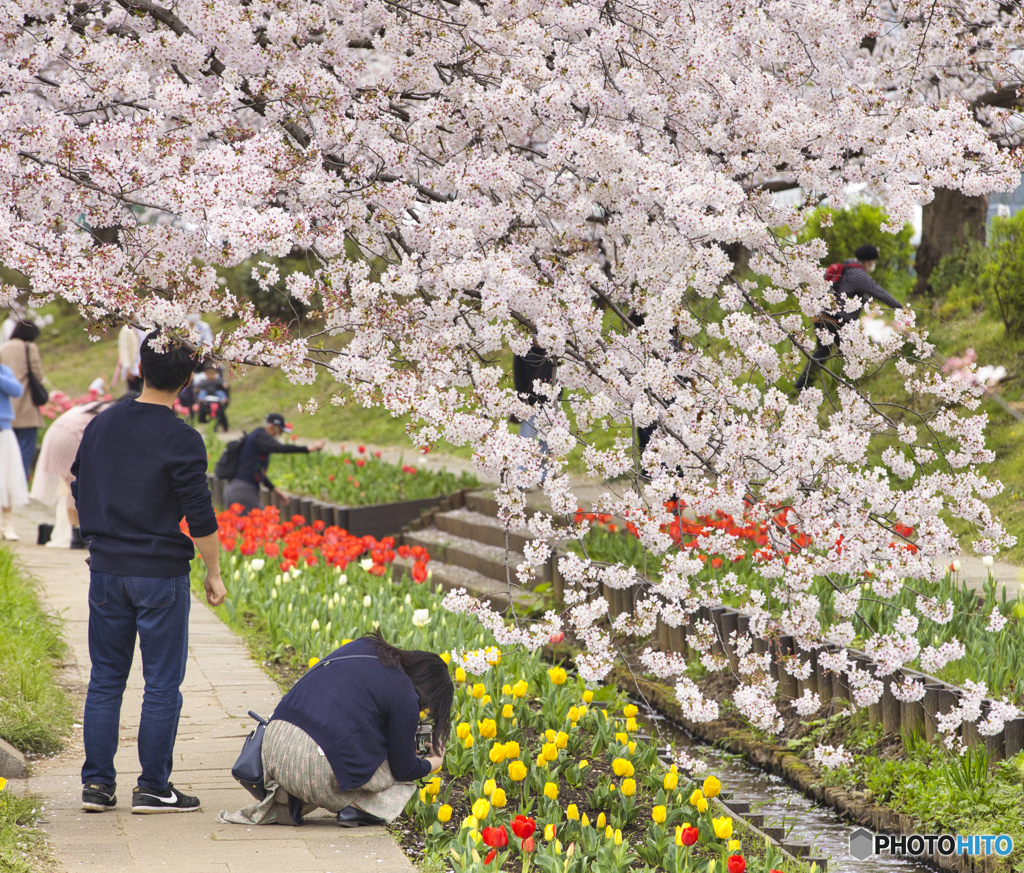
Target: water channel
768	795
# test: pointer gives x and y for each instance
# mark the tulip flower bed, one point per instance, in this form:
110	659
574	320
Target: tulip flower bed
357	478
541	772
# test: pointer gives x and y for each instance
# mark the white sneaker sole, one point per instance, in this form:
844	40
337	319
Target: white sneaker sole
96	807
156	810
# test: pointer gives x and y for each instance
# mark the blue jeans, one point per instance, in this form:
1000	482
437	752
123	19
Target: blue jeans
157	609
27	443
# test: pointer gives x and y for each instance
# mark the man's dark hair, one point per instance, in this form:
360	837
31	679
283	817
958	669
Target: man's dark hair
866	253
25	330
430	678
168	370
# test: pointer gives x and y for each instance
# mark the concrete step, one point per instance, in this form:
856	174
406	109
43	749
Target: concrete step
485	503
483	528
451	576
482	558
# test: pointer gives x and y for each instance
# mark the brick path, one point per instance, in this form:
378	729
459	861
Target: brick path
222	683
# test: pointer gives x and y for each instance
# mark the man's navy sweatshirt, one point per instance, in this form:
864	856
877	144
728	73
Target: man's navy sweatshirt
360	713
139	470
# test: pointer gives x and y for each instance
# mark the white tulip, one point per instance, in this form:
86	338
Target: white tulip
277	579
367	601
296	572
257	564
342	579
236	575
315	626
273	594
289	609
408	600
956	566
421	617
327	628
987	561
366	563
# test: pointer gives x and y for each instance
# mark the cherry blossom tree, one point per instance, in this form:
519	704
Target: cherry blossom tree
468	177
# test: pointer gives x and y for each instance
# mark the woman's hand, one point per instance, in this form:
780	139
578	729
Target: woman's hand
435	759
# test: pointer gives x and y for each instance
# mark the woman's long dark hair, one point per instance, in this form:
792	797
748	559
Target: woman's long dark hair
430	678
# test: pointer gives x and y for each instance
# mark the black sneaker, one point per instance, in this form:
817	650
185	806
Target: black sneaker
98	798
145	801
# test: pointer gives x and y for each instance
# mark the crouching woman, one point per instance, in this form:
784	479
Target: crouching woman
344	737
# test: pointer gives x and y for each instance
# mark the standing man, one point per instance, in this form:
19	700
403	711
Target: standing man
851	281
244	488
139	470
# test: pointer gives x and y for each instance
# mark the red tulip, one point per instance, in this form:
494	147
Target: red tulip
689	836
496	837
557	637
736	864
528	845
523	827
491	855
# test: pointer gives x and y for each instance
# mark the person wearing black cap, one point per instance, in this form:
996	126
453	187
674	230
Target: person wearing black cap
853	287
254	459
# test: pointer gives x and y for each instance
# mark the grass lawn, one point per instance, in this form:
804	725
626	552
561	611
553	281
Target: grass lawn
35	714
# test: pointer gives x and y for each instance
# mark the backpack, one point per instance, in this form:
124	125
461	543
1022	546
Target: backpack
227	463
834	272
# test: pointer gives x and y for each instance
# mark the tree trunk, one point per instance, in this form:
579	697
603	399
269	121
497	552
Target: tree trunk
949	222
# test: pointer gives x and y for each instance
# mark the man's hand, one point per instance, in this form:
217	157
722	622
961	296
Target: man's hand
215	590
317	446
280	495
435	759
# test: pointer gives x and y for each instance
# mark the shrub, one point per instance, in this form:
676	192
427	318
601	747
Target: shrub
1003	273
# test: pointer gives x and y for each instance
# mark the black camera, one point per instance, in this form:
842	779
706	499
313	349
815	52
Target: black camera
423	733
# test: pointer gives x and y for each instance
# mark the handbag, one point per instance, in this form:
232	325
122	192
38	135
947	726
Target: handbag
39	393
248	769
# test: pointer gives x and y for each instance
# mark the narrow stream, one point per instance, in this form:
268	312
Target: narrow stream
783	806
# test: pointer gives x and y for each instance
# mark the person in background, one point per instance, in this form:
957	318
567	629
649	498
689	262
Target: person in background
853	283
129	344
535	366
20	353
139	470
16	314
344	737
254	460
195	320
51	484
13	487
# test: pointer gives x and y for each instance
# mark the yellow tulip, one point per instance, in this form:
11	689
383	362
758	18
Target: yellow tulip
679	835
481	807
497	753
628	787
609	833
712	787
520	688
434	786
460	674
541	761
584	821
629	710
696	797
734	845
618	837
574	715
671	781
549	832
470	821
584	764
444	813
506	711
313	662
517	771
479	690
498	798
489	787
476	836
485	699
557	675
506	689
659	814
621	767
631	725
588	696
550	751
424	796
572	812
722	826
511	749
561	740
631	746
468	742
446	657
550	735
551	790
622	738
601	821
488	728
463	730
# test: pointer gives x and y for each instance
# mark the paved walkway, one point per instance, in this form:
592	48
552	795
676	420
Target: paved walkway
222	683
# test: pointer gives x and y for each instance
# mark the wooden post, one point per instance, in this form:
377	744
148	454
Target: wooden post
930	705
891	712
823	676
787	682
1014	737
715	617
729	623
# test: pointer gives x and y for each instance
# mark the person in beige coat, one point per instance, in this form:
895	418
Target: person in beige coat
18	353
